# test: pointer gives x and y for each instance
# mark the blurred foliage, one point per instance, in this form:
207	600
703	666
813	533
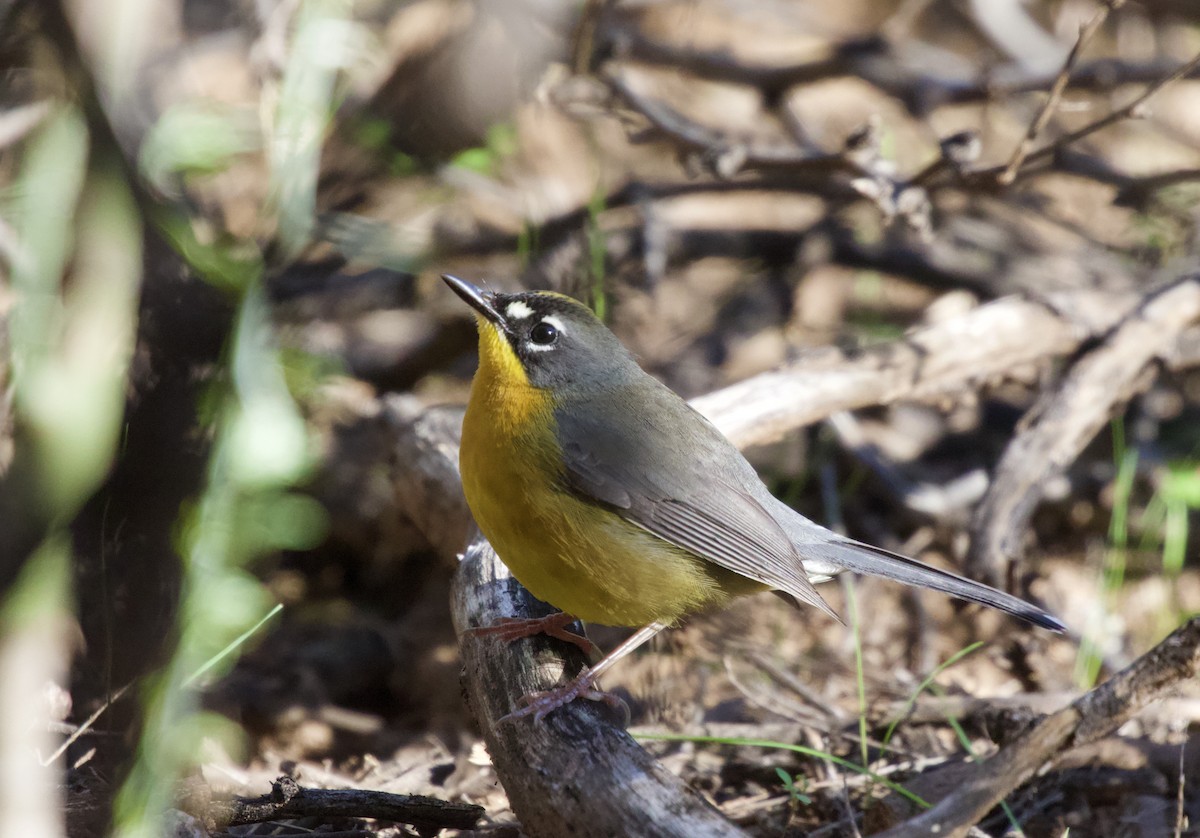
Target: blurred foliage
71	342
324	42
261	450
487	159
75	270
194	138
261	445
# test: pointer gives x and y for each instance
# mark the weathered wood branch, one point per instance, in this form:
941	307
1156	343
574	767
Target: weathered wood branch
983	345
1067	417
425	477
287	799
576	772
1174	661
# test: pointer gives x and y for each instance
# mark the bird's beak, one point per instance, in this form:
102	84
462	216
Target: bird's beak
475	297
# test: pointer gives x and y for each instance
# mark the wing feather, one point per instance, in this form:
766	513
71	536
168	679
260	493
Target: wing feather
692	492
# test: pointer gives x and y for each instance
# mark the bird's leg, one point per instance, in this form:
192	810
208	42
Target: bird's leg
584	684
508	629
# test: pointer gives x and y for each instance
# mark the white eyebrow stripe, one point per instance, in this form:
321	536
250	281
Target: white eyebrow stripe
518	310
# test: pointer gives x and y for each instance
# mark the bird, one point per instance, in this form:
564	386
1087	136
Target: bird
612	499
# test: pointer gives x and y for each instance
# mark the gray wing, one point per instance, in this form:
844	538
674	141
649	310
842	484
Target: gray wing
689	487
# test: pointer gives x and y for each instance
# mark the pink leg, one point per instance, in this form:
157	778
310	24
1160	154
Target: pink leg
509	629
584	684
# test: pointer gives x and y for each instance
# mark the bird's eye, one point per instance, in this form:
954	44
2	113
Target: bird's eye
543	334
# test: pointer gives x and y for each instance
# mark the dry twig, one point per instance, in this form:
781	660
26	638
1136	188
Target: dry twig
1056	91
1127	111
875	61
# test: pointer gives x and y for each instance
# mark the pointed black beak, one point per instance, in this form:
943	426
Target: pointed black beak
475	297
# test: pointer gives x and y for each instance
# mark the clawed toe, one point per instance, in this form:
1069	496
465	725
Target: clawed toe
508	629
541	704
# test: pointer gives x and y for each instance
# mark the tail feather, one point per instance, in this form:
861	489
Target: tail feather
874	561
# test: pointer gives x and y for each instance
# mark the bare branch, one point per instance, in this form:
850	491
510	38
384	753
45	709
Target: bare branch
979	346
873	60
716	146
1056	91
1128	111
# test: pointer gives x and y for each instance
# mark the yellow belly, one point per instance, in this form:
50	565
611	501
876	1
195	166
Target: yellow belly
577	556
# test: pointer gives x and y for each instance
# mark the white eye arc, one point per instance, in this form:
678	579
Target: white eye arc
545	333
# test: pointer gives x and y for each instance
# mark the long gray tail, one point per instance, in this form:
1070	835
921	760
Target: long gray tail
873	561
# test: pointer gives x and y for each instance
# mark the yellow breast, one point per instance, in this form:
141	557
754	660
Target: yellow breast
576	555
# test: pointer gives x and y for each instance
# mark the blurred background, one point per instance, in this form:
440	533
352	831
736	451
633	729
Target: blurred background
232	379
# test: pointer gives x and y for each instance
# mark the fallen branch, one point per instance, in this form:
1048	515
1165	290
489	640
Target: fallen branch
288	799
1174	661
983	345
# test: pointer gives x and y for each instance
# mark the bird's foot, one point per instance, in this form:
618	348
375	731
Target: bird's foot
508	629
540	704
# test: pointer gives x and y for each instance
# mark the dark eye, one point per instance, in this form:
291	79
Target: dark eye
543	334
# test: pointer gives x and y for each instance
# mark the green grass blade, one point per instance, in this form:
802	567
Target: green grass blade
799	749
232	646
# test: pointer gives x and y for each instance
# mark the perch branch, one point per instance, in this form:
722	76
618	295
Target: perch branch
425	449
577	772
